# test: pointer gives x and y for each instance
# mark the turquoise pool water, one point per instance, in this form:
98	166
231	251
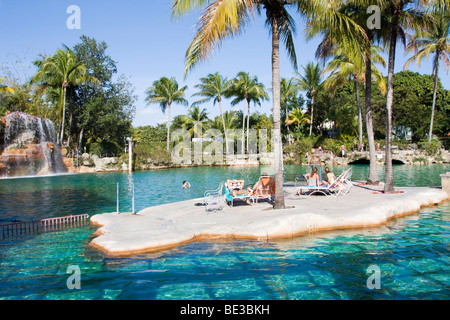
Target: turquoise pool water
411	253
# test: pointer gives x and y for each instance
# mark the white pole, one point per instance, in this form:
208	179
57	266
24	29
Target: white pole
117	197
130	153
132	199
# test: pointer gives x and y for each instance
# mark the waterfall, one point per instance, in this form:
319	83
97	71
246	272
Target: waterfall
28	146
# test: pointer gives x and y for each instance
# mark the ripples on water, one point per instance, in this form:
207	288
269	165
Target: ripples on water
412	252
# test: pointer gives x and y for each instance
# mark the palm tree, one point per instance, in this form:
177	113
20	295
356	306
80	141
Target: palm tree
214	86
311	82
193	121
225	18
4	88
165	91
248	89
288	93
61	70
297	117
433	38
229	120
350	66
403	14
344	23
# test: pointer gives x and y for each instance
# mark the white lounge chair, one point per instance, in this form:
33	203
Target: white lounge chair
213	199
341	185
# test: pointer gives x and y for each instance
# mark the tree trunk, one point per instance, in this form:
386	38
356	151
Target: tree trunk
278	148
360	125
243	130
287	125
224	129
435	73
80	140
168	125
312	114
389	179
63	113
248	122
373	175
70	128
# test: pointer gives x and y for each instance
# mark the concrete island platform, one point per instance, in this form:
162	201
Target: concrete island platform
166	226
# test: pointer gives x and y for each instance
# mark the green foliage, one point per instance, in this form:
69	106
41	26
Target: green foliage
413	97
430	148
150	148
104	148
104	110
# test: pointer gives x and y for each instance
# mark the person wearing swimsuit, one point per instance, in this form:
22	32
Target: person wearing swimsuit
312	178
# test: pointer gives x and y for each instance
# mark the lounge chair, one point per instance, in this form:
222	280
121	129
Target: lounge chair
230	199
265	189
341	185
213	199
346	182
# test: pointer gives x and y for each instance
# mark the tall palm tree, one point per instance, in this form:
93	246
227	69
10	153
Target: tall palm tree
311	82
288	93
214	86
248	89
433	38
165	91
344	23
347	65
403	14
61	69
225	18
297	117
4	88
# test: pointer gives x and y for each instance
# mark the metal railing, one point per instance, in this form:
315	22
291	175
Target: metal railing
43	225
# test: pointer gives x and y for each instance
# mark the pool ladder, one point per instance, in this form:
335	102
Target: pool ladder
43	225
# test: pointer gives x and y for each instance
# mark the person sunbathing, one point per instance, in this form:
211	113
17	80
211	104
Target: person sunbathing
312	178
236	187
330	176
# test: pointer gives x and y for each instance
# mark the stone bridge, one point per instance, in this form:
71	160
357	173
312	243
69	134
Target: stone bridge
398	157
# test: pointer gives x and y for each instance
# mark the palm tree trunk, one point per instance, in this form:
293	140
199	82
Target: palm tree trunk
435	74
168	125
389	182
278	148
224	129
70	128
358	104
80	140
373	175
243	130
63	113
248	122
287	126
312	114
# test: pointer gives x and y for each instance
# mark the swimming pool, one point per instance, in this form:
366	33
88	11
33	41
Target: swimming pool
411	253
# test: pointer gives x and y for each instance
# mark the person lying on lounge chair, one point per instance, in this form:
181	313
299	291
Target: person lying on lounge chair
236	187
330	176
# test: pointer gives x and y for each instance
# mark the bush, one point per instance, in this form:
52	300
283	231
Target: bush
104	148
430	148
156	152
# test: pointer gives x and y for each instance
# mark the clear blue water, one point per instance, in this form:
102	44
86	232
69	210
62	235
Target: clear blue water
412	253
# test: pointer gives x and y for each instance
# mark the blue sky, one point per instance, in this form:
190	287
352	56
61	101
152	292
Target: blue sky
147	43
